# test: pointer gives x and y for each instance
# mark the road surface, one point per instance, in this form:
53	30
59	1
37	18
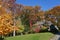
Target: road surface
56	37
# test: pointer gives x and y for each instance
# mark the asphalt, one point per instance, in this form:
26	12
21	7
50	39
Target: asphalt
56	37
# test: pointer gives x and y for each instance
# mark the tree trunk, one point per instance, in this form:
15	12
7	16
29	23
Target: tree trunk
30	24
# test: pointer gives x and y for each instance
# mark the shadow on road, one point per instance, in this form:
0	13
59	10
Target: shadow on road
59	38
58	33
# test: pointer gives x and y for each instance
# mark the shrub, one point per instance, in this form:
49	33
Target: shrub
44	29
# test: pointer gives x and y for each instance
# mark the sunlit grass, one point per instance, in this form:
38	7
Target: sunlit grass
37	36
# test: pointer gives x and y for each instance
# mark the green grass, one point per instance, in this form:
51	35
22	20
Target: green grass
37	36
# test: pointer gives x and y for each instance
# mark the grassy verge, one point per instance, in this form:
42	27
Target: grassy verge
37	36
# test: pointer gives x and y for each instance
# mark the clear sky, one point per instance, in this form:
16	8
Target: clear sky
45	4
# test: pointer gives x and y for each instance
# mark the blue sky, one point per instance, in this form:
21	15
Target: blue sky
45	4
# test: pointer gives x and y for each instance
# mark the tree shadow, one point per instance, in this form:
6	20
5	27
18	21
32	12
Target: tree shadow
58	33
59	38
55	33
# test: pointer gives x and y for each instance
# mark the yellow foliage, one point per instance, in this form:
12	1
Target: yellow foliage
5	24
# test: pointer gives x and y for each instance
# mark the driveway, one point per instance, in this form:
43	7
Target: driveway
56	37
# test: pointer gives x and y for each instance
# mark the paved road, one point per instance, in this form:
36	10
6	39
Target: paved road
56	37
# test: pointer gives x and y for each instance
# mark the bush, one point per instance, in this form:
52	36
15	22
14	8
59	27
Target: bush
44	29
36	29
1	38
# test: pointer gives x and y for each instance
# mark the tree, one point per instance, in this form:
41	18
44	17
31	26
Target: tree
54	15
6	21
29	16
5	24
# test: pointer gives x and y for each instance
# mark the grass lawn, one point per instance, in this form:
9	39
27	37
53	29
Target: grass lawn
37	36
